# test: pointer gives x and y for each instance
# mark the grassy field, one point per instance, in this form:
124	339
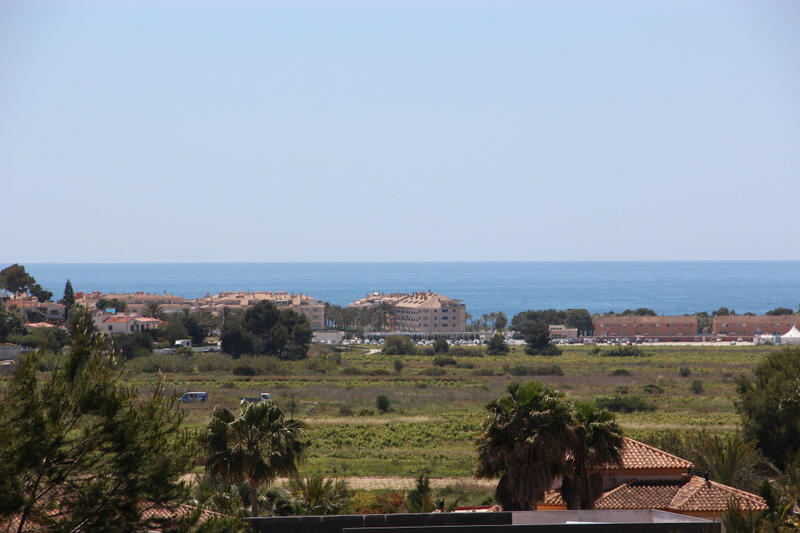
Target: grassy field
437	410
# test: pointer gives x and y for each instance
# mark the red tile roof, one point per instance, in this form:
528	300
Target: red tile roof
640	456
691	494
678	495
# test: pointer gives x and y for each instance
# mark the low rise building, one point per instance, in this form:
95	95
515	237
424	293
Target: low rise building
649	478
32	310
124	323
558	331
429	312
137	302
750	326
645	326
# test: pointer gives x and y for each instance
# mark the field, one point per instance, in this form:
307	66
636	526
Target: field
436	411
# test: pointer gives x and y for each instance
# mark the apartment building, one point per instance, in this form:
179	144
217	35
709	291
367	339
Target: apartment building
312	309
645	326
377	298
749	326
137	302
429	312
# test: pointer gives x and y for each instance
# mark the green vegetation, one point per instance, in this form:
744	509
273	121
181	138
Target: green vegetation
532	434
497	345
537	340
265	329
82	432
257	446
436	411
398	345
618	351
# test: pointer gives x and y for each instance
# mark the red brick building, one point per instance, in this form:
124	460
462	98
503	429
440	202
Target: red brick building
748	326
645	326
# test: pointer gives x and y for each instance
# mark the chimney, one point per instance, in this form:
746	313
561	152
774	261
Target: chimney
705	475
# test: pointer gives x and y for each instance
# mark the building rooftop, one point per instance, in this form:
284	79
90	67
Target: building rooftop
640	456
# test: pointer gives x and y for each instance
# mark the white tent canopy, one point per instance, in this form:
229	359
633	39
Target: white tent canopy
791	337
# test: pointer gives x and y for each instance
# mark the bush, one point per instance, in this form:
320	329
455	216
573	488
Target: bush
696	387
244	370
398	365
483	372
440	346
398	345
465	364
497	345
379	372
443	360
466	351
382	403
538	370
620	372
433	371
352	371
366	412
624	404
652	389
684	372
345	411
548	350
620	351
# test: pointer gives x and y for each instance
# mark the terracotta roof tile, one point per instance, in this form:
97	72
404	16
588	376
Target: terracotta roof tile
697	495
692	494
657	494
640	456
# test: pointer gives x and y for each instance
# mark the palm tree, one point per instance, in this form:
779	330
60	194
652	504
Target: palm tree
317	495
257	446
731	459
523	441
597	441
153	310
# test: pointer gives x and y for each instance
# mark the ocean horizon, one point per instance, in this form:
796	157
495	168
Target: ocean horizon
668	287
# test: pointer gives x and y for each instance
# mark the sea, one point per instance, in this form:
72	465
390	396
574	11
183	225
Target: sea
485	287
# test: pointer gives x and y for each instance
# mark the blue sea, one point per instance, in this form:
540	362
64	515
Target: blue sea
485	287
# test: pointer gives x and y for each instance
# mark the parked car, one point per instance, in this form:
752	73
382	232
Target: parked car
262	397
194	397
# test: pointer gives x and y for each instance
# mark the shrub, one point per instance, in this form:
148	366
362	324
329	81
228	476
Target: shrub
440	346
345	411
684	372
352	371
244	370
465	351
382	403
483	372
620	372
624	404
379	372
366	412
652	389
433	371
548	350
398	345
536	370
443	360
465	364
696	387
497	345
620	351
398	365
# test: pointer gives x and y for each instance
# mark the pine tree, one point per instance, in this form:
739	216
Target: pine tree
79	450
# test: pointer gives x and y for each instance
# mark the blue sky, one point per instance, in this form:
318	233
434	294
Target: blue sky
264	131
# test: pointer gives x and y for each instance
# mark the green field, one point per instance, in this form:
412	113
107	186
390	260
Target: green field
435	418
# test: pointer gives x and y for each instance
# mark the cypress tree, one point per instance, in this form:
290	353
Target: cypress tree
69	297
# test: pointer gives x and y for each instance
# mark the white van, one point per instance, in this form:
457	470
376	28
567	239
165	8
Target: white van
194	397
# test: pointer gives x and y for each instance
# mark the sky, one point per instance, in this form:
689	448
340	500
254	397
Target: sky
378	131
